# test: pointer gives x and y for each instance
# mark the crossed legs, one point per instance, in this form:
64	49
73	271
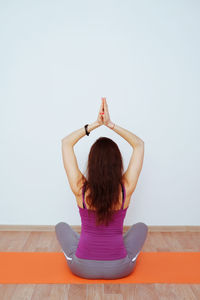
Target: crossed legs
134	239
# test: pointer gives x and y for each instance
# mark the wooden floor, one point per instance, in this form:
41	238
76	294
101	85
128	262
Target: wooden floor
46	241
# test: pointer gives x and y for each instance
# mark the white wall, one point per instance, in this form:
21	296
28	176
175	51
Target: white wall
58	58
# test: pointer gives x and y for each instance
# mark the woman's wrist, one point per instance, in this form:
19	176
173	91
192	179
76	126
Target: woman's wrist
111	125
93	126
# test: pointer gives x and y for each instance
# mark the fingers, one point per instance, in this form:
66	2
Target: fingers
105	103
101	111
101	108
102	101
106	108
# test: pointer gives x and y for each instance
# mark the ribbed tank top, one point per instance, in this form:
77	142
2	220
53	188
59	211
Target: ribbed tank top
101	242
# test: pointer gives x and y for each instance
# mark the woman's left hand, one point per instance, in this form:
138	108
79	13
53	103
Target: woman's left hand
101	112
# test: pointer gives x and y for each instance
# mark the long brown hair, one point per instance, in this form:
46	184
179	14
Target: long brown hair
103	176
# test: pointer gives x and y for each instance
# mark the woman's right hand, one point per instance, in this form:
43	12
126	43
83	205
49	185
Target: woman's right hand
106	116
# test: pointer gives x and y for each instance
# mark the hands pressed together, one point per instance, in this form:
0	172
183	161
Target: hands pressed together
103	116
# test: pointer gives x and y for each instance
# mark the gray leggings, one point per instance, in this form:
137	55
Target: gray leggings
134	240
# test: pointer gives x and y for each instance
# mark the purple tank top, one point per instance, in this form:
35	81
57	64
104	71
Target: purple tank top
101	242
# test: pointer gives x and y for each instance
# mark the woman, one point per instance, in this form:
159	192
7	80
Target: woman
101	251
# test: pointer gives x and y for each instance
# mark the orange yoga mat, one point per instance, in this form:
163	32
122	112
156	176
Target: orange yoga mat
51	267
